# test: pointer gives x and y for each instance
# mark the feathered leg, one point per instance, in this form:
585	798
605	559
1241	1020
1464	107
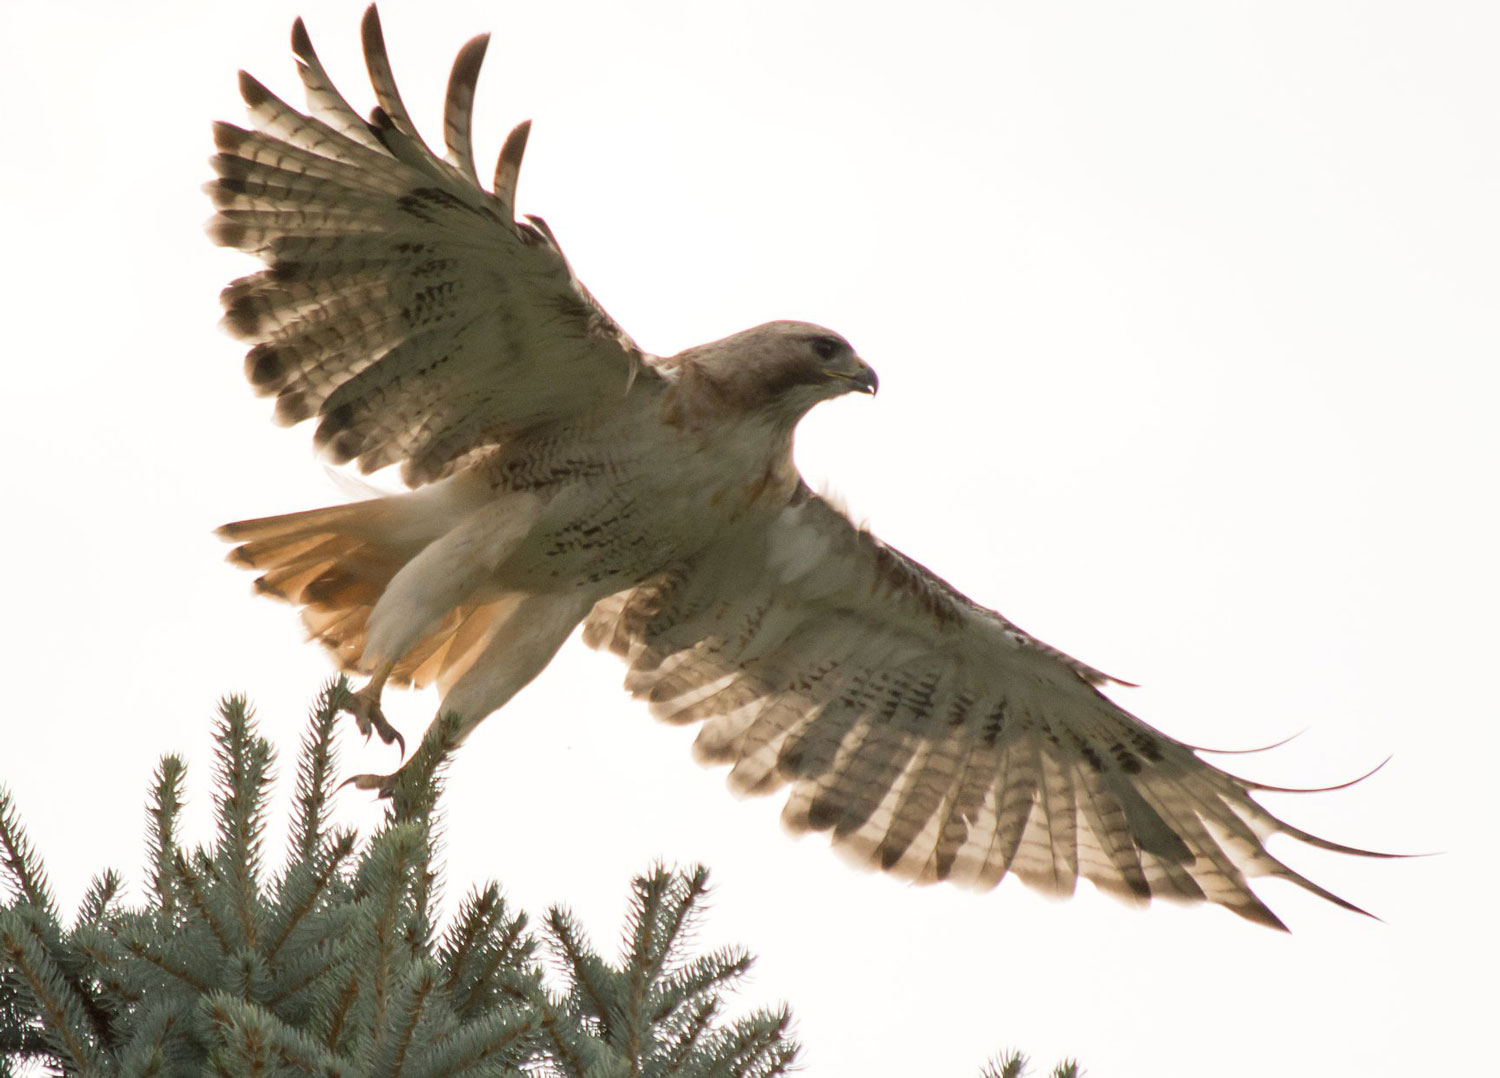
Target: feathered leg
444	576
518	649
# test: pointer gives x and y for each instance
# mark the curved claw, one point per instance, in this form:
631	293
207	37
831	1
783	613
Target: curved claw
383	785
365	707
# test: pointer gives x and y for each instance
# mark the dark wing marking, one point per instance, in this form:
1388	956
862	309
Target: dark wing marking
402	305
930	736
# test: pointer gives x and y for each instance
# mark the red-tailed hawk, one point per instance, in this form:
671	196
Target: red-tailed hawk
562	475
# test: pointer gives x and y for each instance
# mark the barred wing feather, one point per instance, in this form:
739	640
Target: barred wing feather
402	304
932	737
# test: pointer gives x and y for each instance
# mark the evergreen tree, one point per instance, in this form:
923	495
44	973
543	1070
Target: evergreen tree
1013	1065
333	964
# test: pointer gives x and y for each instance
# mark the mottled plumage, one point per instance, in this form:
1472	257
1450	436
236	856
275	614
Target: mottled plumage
562	475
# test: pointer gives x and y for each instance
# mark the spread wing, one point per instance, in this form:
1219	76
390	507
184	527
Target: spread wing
401	304
930	736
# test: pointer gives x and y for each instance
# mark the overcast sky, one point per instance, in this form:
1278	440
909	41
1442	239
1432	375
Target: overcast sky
1185	319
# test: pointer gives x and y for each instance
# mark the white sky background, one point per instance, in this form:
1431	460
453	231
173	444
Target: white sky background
1185	317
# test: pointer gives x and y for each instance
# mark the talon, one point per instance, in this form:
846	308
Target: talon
364	705
383	785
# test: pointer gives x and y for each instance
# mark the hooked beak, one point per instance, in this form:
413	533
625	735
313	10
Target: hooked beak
863	376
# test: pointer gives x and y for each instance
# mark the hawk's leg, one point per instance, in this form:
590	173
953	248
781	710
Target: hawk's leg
518	649
364	705
428	587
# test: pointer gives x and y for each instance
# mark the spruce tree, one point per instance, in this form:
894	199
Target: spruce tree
334	964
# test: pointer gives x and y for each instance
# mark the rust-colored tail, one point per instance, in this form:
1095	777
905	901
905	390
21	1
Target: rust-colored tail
336	562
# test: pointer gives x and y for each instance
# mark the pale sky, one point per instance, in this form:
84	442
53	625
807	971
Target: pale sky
1185	319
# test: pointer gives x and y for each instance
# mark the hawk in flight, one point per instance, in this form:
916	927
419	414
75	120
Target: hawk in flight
560	475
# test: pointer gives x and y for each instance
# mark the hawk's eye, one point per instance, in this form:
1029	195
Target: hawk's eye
826	347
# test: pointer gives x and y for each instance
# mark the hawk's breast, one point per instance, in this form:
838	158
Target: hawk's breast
623	505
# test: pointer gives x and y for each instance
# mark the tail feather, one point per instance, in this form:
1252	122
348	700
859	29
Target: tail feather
342	632
336	562
309	578
293	527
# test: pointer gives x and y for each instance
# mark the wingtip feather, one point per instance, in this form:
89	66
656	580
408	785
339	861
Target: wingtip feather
302	46
508	165
252	91
458	107
1316	789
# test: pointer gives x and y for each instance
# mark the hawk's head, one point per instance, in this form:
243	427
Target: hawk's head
786	367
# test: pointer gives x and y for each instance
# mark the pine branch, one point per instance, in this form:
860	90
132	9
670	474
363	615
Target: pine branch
154	1029
415	797
409	1012
67	1022
250	1041
1012	1064
306	885
75	974
384	891
99	900
201	894
161	831
165	955
757	1046
97	950
482	950
340	1029
591	980
22	869
688	1030
655	1015
1009	1064
646	950
244	763
316	769
568	1047
21	1035
699	978
301	972
498	1040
